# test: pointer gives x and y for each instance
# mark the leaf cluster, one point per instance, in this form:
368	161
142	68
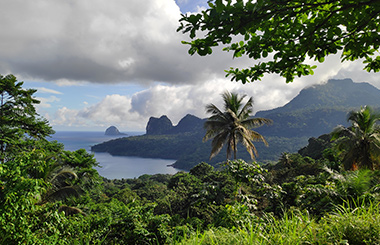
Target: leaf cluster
18	117
285	35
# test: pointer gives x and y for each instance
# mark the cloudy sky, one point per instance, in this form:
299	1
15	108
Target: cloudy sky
99	63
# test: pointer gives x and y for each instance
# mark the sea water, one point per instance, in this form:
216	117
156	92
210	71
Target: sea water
113	167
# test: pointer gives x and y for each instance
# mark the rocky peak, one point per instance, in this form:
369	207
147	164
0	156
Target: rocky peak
189	123
157	126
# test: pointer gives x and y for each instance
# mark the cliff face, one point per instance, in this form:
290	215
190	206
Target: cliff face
158	126
163	125
189	123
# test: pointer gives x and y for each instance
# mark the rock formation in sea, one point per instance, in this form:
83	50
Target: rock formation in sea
112	131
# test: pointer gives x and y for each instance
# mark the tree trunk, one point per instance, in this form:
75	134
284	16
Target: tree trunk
234	146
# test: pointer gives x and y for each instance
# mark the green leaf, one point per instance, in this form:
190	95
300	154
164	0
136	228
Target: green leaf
219	5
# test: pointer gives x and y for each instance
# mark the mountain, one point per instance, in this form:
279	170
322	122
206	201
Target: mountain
318	109
187	124
314	111
163	125
336	93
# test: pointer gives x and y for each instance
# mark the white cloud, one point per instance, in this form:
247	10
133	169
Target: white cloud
67	117
46	102
112	110
69	83
47	90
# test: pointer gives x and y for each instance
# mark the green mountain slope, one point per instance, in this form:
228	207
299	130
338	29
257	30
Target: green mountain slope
318	109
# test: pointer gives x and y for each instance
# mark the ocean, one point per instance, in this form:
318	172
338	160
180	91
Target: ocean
114	167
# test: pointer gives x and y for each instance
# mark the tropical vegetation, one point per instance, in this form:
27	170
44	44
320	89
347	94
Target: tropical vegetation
52	196
286	35
233	125
360	143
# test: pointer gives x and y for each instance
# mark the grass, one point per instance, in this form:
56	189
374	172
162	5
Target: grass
355	224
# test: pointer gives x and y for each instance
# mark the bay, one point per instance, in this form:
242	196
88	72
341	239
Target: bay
113	167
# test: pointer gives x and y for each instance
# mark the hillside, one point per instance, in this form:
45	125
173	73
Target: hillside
318	109
315	111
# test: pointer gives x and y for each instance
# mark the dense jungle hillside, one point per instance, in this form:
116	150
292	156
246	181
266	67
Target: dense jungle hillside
314	111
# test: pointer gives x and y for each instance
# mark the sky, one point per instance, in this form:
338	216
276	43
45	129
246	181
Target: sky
98	63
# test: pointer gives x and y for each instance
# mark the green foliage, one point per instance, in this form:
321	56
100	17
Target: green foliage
203	198
202	170
347	225
234	216
233	125
18	195
360	144
359	224
18	117
244	172
285	36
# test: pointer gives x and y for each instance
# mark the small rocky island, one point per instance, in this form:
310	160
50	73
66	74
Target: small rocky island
111	131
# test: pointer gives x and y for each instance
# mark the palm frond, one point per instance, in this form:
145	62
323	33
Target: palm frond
246	136
256	122
231	116
213	128
246	110
213	110
340	131
217	143
70	210
60	177
232	101
250	147
255	136
63	193
214	124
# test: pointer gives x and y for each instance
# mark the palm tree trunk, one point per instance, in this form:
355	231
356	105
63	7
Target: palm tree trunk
234	147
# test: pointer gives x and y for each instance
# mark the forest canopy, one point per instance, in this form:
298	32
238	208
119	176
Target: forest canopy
286	35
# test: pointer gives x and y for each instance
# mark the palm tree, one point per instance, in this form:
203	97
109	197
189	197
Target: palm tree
360	143
60	186
233	125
